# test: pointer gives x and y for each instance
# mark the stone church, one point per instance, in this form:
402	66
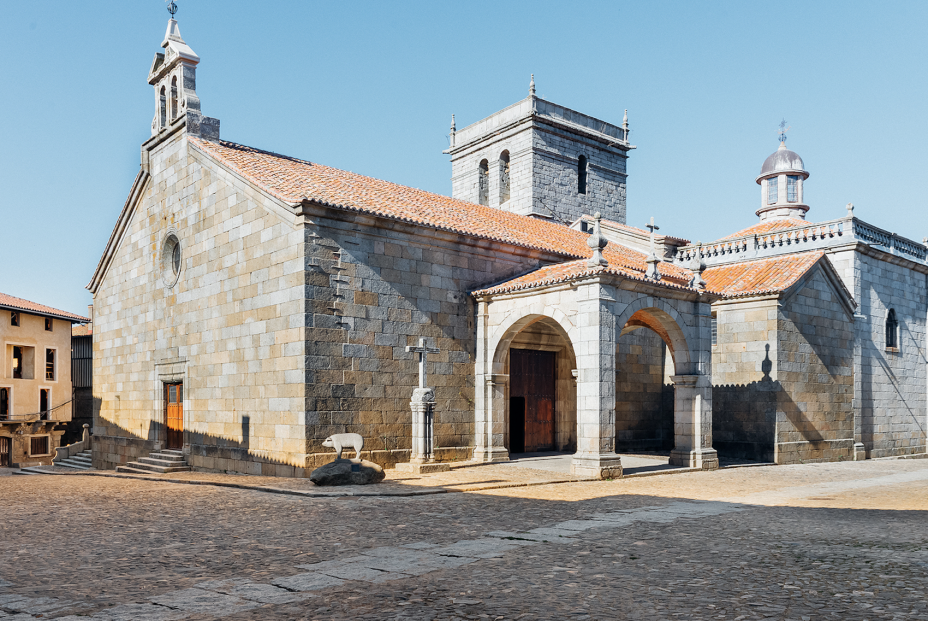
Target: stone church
249	304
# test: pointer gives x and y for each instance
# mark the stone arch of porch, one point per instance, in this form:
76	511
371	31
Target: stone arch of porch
517	322
661	317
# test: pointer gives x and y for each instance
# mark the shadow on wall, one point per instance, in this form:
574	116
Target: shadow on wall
744	420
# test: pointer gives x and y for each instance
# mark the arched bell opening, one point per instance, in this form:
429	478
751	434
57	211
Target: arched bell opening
541	393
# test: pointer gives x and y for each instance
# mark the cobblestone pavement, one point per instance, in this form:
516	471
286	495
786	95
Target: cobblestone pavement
823	541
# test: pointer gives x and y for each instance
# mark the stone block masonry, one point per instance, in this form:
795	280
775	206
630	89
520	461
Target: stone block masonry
370	292
547	146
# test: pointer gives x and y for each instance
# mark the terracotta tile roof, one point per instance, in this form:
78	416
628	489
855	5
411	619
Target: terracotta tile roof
292	180
759	277
572	270
82	330
771	226
8	301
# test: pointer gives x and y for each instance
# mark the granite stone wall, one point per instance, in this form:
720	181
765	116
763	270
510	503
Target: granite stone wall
372	288
644	393
815	341
783	376
890	388
744	392
555	171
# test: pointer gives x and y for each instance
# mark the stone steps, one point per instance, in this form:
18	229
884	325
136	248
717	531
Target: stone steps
30	470
81	461
161	462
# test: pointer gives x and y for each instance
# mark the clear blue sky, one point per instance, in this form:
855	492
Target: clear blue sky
370	87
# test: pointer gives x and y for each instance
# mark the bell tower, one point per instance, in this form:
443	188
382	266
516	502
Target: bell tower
173	75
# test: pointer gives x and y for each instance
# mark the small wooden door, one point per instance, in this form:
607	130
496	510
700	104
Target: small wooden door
531	400
5	446
174	415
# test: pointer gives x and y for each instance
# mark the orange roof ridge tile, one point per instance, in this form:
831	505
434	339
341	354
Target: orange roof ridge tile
9	301
293	180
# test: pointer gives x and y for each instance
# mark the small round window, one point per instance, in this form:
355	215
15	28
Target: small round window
170	260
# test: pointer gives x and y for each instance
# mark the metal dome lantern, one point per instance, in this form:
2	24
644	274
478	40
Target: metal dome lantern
781	179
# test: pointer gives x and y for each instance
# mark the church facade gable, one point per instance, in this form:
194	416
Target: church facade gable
201	292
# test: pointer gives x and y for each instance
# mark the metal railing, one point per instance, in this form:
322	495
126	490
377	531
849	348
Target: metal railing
61	412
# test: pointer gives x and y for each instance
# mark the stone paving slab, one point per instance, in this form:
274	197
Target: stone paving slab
738	544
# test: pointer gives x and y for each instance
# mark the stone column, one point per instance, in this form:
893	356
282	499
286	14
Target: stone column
422	459
422	404
491	446
595	352
692	423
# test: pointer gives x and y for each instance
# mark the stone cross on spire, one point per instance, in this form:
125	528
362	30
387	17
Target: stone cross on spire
423	350
652	271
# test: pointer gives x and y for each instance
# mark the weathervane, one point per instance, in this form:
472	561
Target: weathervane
783	130
172	9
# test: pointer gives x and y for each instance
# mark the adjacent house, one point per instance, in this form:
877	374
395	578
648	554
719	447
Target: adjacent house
35	380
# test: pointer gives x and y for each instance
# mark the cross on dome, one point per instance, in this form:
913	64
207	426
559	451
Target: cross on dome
782	132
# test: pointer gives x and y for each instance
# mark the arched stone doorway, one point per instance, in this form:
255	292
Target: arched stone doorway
541	404
536	346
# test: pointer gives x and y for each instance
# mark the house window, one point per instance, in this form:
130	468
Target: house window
483	183
50	365
581	175
14	319
39	446
892	331
44	401
792	188
48	324
503	177
771	190
4	403
18	362
715	331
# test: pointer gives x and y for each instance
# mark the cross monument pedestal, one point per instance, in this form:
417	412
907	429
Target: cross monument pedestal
422	459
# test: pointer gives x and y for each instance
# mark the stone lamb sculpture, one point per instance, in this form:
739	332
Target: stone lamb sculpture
342	440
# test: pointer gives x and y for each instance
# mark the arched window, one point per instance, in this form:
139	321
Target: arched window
164	111
772	190
483	183
503	177
581	175
892	330
174	110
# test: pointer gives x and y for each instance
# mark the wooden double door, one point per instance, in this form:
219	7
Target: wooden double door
174	416
531	400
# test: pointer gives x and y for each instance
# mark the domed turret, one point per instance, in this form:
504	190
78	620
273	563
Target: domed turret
781	179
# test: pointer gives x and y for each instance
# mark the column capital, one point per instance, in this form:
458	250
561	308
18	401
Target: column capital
695	381
496	379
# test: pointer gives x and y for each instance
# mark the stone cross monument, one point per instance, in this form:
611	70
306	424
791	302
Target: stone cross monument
422	459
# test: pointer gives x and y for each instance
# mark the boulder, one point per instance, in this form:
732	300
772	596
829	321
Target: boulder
347	472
